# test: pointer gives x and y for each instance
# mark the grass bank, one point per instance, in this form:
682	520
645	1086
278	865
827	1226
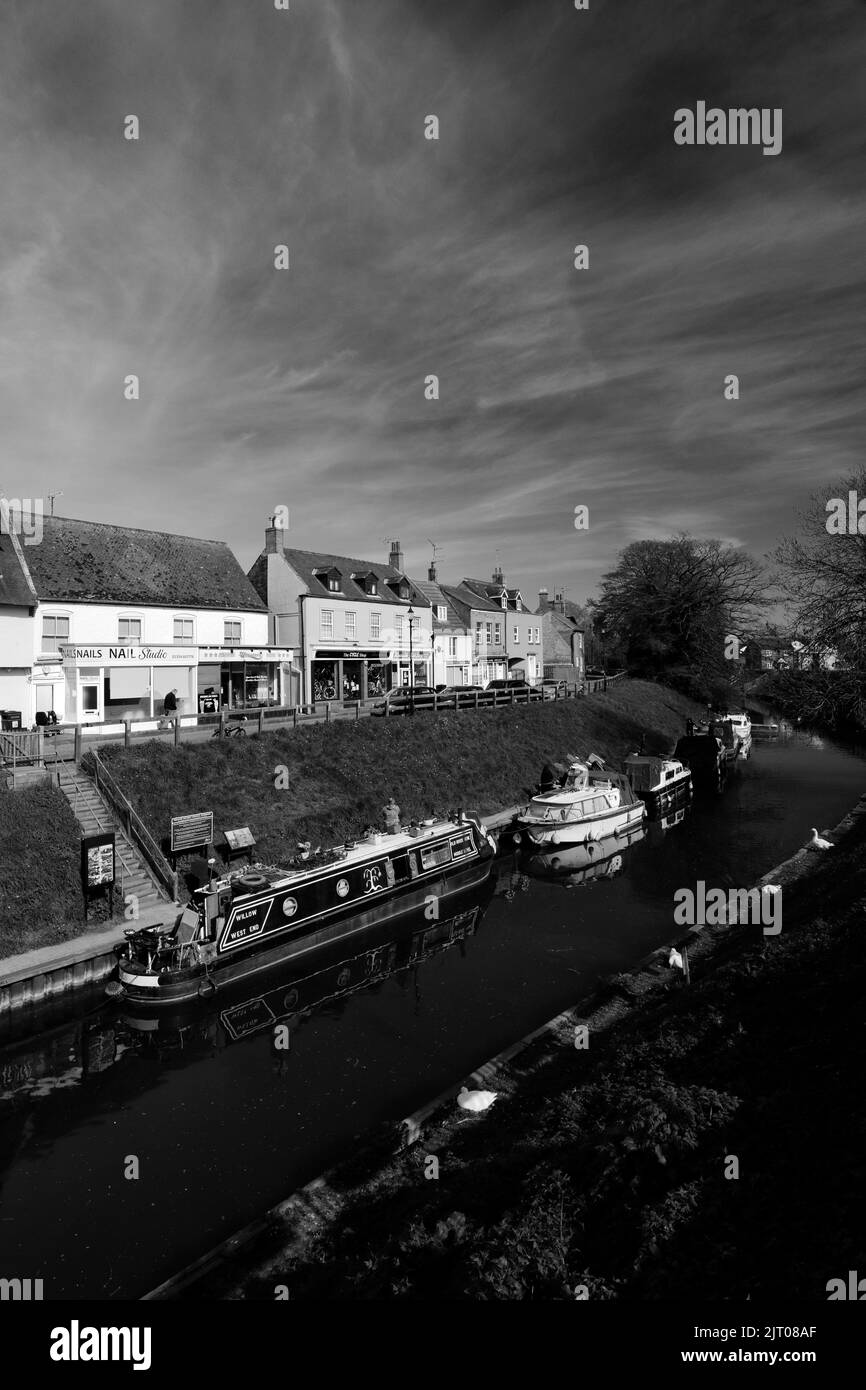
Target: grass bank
611	1170
40	884
325	782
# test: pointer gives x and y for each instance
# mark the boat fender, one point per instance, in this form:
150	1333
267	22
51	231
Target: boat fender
114	989
206	988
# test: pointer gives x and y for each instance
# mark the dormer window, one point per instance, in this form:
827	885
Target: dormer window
441	613
330	579
368	582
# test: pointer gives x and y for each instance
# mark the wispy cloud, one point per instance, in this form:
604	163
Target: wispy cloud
410	257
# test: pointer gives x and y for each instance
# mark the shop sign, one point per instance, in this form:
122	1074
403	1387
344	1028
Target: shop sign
208	654
324	654
128	656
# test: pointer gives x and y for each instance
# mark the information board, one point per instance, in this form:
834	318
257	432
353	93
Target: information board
190	832
242	838
97	859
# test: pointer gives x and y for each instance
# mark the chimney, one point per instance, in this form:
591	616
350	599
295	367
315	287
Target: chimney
543	603
275	538
431	571
498	577
559	600
395	559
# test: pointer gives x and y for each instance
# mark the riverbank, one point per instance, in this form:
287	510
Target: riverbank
707	1141
324	783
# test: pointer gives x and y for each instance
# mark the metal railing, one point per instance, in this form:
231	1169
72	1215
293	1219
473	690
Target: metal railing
101	816
134	827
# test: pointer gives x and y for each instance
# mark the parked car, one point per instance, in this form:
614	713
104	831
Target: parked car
521	687
550	689
402	698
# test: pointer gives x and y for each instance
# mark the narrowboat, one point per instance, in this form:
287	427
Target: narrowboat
664	784
592	803
247	922
705	757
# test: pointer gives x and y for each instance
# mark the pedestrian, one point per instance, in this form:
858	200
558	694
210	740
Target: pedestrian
169	704
690	727
392	816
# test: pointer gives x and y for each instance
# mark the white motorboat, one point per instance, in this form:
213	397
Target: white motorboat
663	783
578	865
743	730
592	803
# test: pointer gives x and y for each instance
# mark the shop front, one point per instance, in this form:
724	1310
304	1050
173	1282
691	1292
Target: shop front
104	684
245	678
360	675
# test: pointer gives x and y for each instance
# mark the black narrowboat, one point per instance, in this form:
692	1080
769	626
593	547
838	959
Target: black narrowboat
246	922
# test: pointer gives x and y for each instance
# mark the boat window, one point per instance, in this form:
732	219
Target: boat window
436	854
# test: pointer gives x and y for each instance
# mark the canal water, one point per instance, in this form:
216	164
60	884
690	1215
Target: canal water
219	1124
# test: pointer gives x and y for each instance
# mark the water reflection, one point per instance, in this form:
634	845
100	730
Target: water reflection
579	865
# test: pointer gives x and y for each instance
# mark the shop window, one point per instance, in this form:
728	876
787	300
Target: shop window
54	629
324	680
231	634
184	630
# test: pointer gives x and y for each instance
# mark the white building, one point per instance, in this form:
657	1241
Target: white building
348	619
99	622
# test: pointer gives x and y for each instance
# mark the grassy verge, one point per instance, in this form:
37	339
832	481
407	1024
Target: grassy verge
41	902
610	1170
336	778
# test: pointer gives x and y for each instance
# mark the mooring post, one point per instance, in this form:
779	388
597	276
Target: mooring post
76	748
176	723
126	732
261	719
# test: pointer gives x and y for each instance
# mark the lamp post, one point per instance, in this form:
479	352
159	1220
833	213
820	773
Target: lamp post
411	615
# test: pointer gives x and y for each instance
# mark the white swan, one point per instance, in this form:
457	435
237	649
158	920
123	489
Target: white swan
816	841
476	1100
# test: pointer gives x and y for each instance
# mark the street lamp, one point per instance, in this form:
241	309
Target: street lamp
411	615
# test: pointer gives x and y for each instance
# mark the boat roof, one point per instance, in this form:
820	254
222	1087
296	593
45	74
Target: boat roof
360	853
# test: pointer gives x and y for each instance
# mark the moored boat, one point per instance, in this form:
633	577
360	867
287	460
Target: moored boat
246	922
577	865
592	802
664	784
705	757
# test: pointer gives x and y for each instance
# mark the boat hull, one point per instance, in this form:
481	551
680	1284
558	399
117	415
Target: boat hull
618	822
203	981
664	801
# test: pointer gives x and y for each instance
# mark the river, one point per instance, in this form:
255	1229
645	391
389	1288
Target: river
222	1125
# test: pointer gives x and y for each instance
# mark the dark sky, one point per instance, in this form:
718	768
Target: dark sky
410	257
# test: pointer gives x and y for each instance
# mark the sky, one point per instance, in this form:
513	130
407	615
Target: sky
558	388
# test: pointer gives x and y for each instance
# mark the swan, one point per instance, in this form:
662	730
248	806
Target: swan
675	959
817	842
476	1101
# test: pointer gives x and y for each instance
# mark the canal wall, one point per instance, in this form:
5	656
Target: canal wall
257	1260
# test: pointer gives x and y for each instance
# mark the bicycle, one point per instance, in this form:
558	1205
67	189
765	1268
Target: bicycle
324	691
230	731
